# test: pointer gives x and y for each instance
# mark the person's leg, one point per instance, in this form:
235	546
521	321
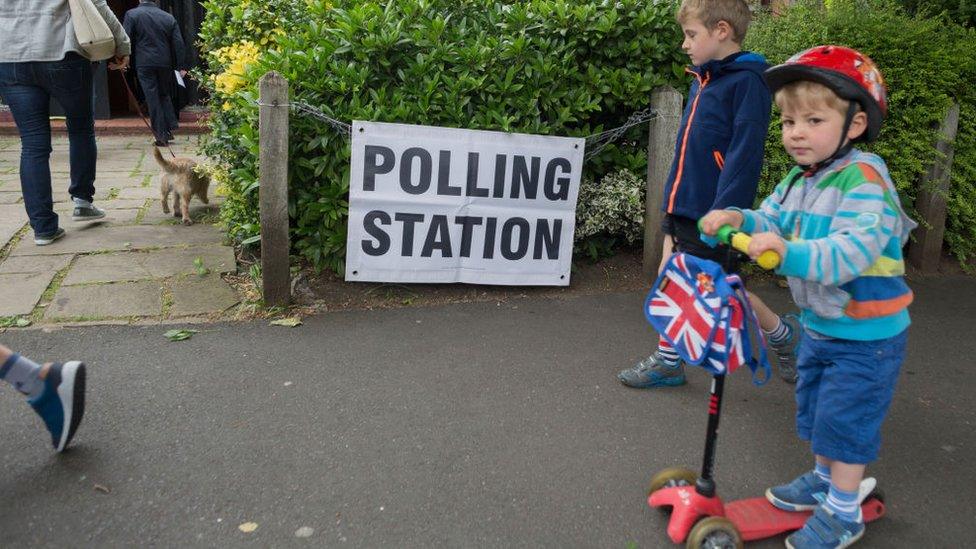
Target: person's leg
167	83
780	333
149	80
855	394
663	367
25	376
802	493
29	104
56	392
70	84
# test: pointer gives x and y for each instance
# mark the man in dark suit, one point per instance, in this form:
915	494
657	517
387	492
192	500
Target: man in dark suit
157	53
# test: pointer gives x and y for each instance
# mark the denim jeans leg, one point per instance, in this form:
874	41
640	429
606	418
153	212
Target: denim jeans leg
70	83
29	104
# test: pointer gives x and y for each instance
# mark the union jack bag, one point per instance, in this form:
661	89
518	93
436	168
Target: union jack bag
705	315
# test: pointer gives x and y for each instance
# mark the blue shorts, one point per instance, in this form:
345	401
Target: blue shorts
843	393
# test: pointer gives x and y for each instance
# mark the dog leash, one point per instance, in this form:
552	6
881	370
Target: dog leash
144	120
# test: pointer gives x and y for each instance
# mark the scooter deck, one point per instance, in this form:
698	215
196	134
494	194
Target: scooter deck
756	518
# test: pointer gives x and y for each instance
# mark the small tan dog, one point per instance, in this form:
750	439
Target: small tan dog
180	176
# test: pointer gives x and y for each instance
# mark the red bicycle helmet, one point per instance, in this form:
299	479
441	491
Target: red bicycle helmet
849	73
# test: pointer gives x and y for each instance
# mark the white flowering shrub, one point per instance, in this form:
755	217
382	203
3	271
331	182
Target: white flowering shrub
609	213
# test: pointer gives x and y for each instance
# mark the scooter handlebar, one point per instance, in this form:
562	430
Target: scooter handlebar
740	241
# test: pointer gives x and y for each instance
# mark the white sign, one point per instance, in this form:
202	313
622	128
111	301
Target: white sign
433	204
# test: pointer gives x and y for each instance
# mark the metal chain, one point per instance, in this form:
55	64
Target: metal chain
594	143
599	141
305	108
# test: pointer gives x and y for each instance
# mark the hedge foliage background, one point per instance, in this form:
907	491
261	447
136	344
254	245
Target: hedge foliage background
928	62
551	67
559	67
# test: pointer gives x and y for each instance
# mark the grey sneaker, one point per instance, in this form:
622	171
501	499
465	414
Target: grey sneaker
87	213
785	351
44	240
651	372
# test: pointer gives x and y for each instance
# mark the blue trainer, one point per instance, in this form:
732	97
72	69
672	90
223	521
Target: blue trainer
800	494
825	530
62	404
651	372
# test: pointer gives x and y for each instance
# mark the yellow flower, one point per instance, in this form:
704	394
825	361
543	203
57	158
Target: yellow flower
226	106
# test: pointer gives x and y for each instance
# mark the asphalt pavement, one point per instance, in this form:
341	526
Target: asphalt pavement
467	425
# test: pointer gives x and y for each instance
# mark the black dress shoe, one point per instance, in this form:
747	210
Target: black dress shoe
159	143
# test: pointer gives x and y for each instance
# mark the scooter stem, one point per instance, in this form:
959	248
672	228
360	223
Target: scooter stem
705	485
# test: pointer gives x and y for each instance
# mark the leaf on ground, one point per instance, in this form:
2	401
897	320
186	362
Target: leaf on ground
248	527
291	322
102	489
179	335
22	322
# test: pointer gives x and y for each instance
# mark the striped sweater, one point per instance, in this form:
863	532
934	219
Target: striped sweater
844	229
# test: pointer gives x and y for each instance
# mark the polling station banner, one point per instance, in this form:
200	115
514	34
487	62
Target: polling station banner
431	204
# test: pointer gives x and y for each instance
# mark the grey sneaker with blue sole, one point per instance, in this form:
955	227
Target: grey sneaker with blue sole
652	372
87	213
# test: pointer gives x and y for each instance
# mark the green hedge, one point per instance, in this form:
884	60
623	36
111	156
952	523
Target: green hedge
551	67
928	63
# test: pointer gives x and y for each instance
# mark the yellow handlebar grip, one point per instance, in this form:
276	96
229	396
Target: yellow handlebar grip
740	241
768	260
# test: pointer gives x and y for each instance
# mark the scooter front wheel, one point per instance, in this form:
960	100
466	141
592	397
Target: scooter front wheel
714	533
672	476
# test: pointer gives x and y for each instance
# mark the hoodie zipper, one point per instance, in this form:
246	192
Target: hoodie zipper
684	142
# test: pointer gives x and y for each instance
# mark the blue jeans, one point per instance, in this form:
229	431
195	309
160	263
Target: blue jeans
28	88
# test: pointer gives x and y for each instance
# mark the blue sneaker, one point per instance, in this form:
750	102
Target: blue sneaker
800	494
825	530
62	404
651	372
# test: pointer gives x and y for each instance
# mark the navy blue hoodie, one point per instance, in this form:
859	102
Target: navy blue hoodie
719	151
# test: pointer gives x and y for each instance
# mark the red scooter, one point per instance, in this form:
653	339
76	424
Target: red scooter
698	516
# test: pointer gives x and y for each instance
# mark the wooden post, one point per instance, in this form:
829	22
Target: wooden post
273	192
660	152
926	252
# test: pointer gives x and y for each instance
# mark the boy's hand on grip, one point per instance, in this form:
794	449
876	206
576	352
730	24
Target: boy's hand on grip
715	219
763	242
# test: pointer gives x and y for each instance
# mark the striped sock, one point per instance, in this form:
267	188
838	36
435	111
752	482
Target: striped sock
780	335
823	472
667	354
843	504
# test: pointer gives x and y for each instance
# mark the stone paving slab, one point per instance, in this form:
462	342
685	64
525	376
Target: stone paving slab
35	263
19	293
12	218
10	197
94	237
120	266
199	295
198	210
122	299
139	192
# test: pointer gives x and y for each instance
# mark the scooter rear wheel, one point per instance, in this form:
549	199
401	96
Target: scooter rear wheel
714	533
672	476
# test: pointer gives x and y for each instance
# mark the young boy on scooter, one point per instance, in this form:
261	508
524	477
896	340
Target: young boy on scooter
717	159
839	227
